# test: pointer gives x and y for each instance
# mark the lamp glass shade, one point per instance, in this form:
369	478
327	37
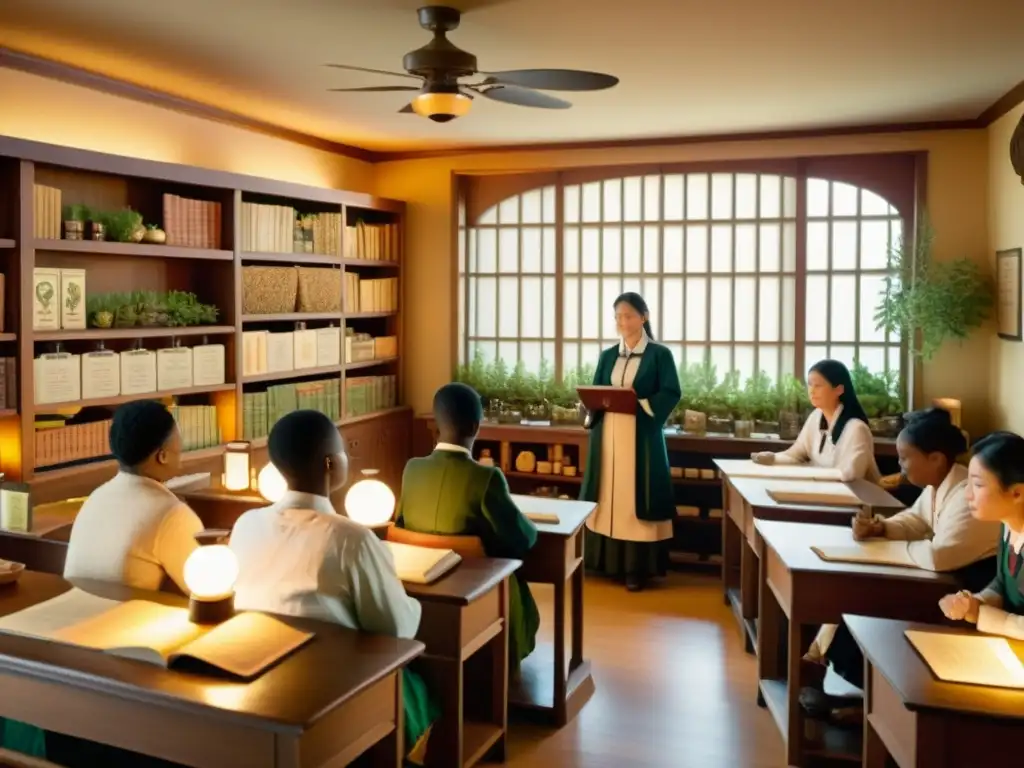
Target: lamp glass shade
211	572
271	483
370	502
454	104
236	466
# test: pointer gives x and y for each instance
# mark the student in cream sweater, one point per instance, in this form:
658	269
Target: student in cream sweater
939	530
836	434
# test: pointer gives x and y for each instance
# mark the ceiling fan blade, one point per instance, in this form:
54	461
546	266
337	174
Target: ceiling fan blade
406	110
372	71
376	89
523	97
554	79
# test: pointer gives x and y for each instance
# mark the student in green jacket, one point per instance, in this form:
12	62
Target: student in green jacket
450	494
995	491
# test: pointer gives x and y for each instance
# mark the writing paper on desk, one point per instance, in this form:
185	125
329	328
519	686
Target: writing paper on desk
748	468
969	659
868	553
828	494
542	517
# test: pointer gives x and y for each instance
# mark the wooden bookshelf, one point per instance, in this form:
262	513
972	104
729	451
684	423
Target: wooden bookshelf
377	440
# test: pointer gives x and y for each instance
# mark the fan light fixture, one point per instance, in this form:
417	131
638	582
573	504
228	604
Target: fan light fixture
441	107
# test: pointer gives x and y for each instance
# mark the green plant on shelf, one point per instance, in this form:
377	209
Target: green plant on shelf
123	226
77	212
763	397
149	309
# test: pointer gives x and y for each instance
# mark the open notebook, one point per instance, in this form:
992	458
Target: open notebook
969	659
538	509
243	646
421	565
868	553
747	468
827	494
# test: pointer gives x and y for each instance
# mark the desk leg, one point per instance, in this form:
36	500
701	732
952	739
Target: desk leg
749	581
445	677
577	618
771	643
561	713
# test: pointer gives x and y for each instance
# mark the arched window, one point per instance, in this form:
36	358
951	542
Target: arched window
755	271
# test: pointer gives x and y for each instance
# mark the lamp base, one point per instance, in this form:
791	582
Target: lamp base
211	611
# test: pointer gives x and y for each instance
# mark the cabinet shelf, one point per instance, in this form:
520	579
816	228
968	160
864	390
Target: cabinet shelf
370	363
7	243
297	373
160	395
146	250
292	317
103	334
375	263
292	258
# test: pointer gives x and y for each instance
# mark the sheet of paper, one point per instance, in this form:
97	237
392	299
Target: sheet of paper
813	493
747	468
543	517
44	619
969	659
869	552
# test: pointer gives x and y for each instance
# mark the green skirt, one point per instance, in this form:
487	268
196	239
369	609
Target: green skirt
620	559
22	737
523	620
421	712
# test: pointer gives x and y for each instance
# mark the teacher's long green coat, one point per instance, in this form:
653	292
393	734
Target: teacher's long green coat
657	382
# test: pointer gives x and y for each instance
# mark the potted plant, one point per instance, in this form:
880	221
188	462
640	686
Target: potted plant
75	217
698	382
123	226
793	401
764	401
154	235
722	404
927	302
743	409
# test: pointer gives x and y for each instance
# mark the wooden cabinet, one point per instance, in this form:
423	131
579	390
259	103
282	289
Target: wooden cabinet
382	443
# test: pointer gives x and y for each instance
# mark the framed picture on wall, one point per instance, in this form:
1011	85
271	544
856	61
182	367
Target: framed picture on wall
1008	294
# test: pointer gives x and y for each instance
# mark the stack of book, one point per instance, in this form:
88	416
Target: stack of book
192	223
375	242
376	295
368	394
261	410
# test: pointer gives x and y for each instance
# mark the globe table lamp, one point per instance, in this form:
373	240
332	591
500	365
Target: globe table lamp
370	502
271	483
210	575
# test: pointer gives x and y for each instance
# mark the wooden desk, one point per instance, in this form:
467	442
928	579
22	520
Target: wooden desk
309	710
465	630
746	499
545	686
919	721
800	592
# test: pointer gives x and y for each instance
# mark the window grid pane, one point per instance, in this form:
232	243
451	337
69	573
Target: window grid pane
714	255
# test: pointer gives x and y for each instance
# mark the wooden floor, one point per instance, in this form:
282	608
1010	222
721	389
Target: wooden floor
674	686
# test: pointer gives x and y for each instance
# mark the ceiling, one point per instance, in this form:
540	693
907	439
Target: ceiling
687	67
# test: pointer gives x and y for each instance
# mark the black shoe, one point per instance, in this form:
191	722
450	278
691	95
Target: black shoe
634	584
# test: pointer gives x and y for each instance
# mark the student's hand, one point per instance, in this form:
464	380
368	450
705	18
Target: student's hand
961	606
867	529
763	457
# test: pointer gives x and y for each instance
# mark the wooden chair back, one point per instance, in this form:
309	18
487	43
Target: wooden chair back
464	546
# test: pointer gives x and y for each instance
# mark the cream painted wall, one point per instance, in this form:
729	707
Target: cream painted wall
957	193
1005	230
41	109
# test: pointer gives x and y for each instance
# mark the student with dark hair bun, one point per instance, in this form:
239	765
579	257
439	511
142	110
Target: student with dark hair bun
939	530
996	495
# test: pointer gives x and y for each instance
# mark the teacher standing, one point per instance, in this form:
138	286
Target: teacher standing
627	462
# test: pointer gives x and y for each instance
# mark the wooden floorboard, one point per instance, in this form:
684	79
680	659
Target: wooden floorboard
675	688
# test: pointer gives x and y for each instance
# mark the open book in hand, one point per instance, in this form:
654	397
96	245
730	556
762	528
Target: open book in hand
243	646
421	565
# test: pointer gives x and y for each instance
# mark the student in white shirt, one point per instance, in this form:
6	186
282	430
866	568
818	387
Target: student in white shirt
995	492
132	529
836	434
298	557
939	531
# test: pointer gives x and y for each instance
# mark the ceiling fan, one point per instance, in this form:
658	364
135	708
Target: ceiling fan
439	65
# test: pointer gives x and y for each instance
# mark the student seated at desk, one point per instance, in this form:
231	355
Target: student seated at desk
133	530
941	535
450	494
995	493
298	557
836	434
